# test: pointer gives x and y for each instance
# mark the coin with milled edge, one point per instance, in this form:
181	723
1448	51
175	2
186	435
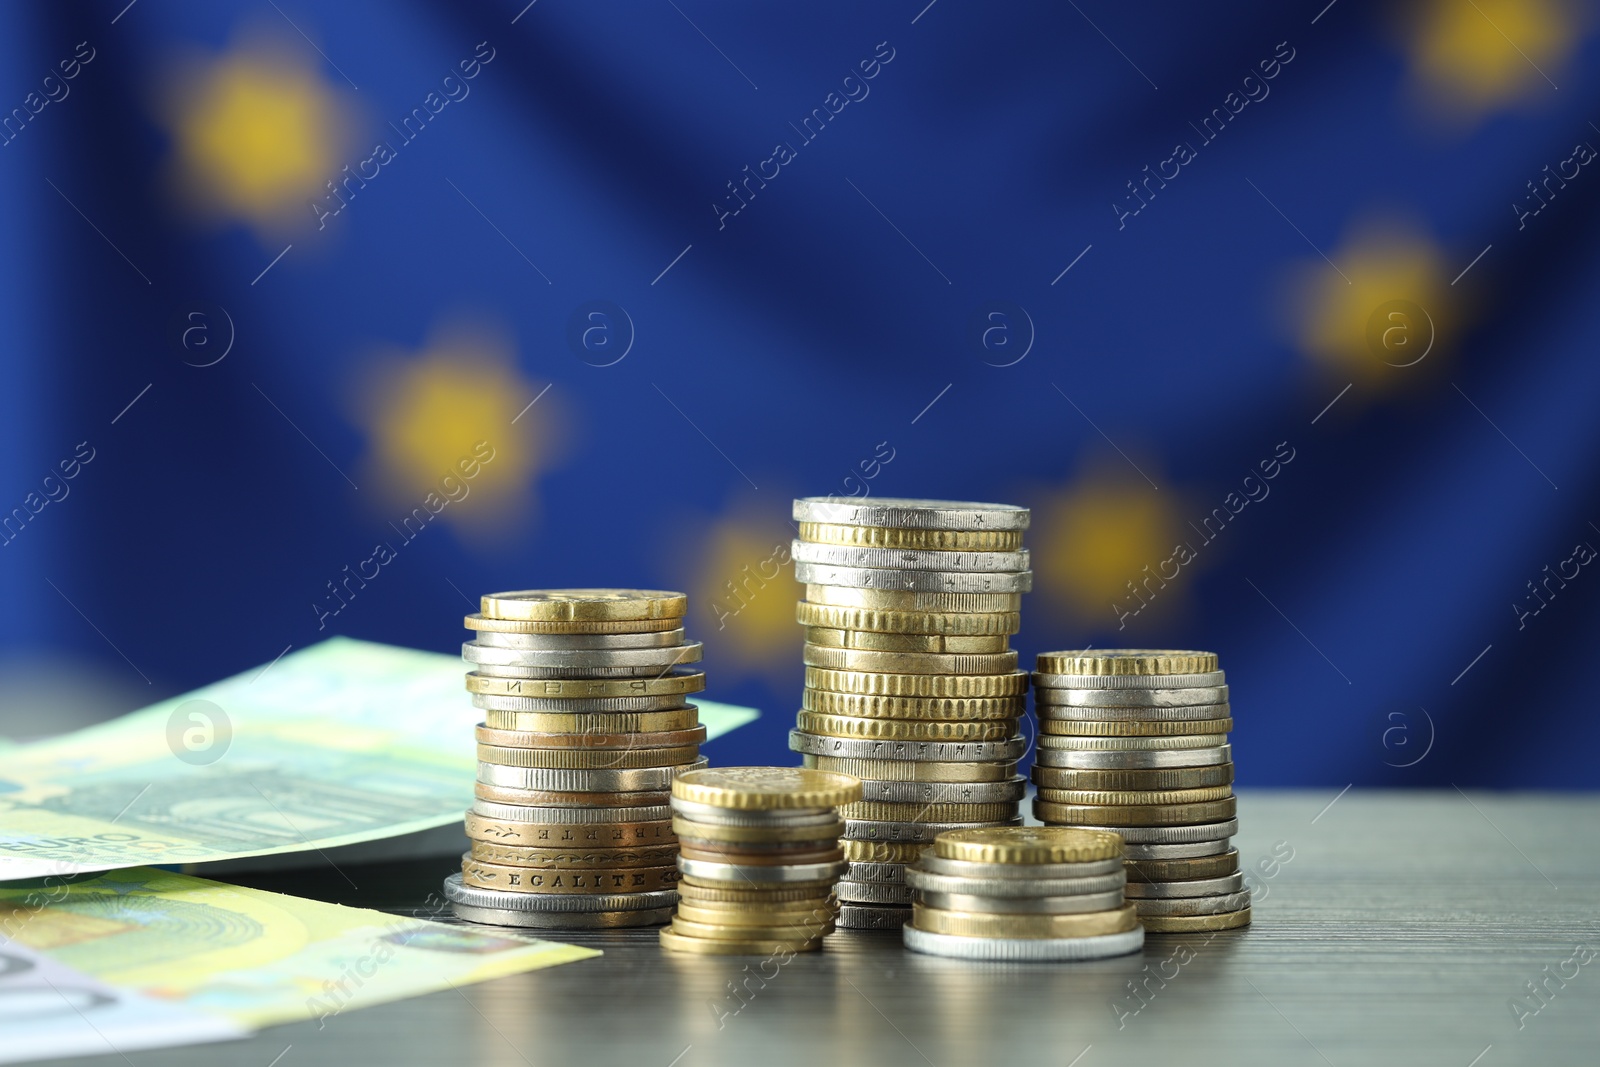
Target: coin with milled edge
733	894
906	730
740	927
1174	778
1127	661
589	659
1188	924
900	537
1182	869
600	722
1014	888
978	924
916	811
1137	698
872	916
458	892
766	788
523	694
1165	796
888	683
562	920
914	581
933	863
873	558
603	739
717	815
532	691
1043	680
489	826
854	659
926	643
1134	814
893	770
567	798
484	624
1165	835
1186	887
579	780
909	623
1030	844
513	813
928	751
700	946
793	855
945	709
530	856
1012	790
1200	905
872	892
538	880
571	642
892	873
744	873
1067	905
1182	713
911	513
895	852
1022	950
1174	742
699	831
1130	758
1125	728
577	759
1144	853
560	605
845	596
865	830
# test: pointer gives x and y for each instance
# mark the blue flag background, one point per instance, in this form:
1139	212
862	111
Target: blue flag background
328	318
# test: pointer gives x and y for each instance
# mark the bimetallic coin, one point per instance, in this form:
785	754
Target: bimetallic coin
909	623
1202	905
589	659
491	827
762	818
1013	888
775	835
895	852
1177	715
914	581
882	811
1188	924
743	873
699	946
864	830
766	788
601	739
898	729
1164	796
1127	661
1133	728
1134	814
935	864
565	674
1064	742
892	770
1069	905
560	605
566	798
881	683
1145	853
582	780
872	892
978	924
1215	865
946	709
1011	790
578	759
843	596
1171	835
1126	681
1188	887
516	813
484	624
1137	698
909	513
926	751
1022	950
892	873
1032	844
872	916
510	879
570	859
1129	759
872	558
823	533
1174	778
601	722
522	694
925	643
570	642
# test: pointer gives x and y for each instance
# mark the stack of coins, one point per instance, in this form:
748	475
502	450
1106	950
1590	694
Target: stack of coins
585	726
1136	741
1024	893
758	860
910	685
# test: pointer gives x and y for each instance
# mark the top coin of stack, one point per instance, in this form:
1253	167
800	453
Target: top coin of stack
1136	741
586	724
910	683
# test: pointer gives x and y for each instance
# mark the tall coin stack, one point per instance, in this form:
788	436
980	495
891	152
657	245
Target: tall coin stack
1022	893
585	726
759	857
1136	741
910	685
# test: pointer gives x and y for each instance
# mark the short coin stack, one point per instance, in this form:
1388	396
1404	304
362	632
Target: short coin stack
910	683
759	858
1022	893
585	726
1136	741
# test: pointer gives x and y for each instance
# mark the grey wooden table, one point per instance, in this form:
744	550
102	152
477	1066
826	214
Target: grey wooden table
1403	930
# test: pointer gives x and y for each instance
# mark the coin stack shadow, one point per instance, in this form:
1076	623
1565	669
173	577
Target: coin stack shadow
1136	741
910	683
586	723
759	856
1028	893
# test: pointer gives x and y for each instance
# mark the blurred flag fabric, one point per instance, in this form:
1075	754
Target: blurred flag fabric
326	318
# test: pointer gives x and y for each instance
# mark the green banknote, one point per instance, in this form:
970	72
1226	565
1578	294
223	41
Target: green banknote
340	743
252	957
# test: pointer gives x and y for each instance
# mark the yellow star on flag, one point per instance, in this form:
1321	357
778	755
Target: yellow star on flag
1470	58
745	579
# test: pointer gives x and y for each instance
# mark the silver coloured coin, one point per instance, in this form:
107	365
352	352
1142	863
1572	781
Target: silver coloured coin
544	816
872	917
1132	759
1079	743
1023	950
929	882
914	581
1191	887
1174	850
871	892
578	642
945	792
457	892
1079	713
563	920
999	871
1174	835
907	559
1137	698
911	832
576	705
584	779
921	751
552	674
713	871
1205	905
1072	905
892	873
906	513
659	658
717	816
1042	680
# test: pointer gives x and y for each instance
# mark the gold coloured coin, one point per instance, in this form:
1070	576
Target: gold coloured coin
698	946
827	533
1028	845
1127	661
564	605
891	770
801	928
901	730
766	788
1132	727
1184	869
588	759
1150	796
552	798
569	834
775	893
875	642
1189	924
586	626
962	623
890	811
882	851
509	879
599	722
747	915
1135	814
879	683
579	688
742	856
524	856
982	924
605	740
777	835
1149	778
948	709
842	596
853	659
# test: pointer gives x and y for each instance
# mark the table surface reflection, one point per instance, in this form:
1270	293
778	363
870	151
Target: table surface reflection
1399	932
